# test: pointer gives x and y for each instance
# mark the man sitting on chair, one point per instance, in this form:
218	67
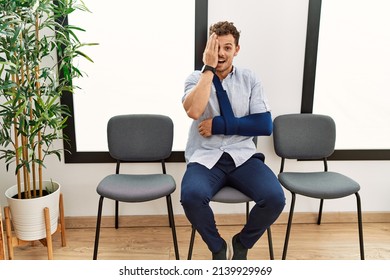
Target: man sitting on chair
220	150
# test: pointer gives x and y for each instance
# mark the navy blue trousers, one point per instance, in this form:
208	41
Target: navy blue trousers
253	178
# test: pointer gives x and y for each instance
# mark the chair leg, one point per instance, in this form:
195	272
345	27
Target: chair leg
270	245
192	240
116	214
290	217
98	222
360	225
320	212
247	211
172	224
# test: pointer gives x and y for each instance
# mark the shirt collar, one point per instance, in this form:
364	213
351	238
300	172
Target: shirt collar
231	72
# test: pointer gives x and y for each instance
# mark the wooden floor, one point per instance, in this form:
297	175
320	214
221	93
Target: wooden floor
328	241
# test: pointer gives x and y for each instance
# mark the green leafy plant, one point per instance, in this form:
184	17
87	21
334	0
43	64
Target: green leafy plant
31	115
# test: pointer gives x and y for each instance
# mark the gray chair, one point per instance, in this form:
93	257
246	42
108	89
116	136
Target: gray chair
138	138
231	195
311	137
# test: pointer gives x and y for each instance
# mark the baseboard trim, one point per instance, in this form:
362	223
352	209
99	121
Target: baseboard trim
224	219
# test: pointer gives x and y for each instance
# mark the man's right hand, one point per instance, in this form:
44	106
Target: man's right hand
210	54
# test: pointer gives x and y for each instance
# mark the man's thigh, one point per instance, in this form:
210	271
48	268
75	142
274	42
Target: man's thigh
199	181
255	179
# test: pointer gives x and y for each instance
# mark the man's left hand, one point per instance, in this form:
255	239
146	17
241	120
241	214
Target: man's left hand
205	126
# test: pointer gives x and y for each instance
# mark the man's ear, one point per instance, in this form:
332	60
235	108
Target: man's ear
237	50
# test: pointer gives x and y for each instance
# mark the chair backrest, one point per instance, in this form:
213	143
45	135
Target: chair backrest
304	136
140	137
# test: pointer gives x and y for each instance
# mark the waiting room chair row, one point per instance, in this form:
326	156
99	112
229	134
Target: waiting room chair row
149	138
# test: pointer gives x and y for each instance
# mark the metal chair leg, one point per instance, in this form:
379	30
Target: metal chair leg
360	225
98	222
247	211
172	224
270	244
116	214
320	212
192	241
290	217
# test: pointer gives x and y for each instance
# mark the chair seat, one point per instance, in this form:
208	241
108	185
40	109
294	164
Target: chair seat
322	185
136	188
230	195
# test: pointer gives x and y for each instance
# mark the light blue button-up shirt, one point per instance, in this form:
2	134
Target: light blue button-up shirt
246	95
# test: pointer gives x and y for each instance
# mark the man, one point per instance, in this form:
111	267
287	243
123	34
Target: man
220	149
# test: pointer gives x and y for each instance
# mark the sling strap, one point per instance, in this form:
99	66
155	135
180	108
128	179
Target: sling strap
224	106
227	124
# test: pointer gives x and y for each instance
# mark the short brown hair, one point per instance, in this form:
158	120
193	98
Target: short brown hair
225	28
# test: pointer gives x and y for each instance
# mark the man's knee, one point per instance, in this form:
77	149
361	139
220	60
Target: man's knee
191	198
275	202
279	201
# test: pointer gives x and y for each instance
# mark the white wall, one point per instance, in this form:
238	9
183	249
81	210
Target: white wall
272	43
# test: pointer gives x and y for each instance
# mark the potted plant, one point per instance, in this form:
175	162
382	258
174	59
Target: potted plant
31	115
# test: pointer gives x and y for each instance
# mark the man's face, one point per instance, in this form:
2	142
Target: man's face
227	50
